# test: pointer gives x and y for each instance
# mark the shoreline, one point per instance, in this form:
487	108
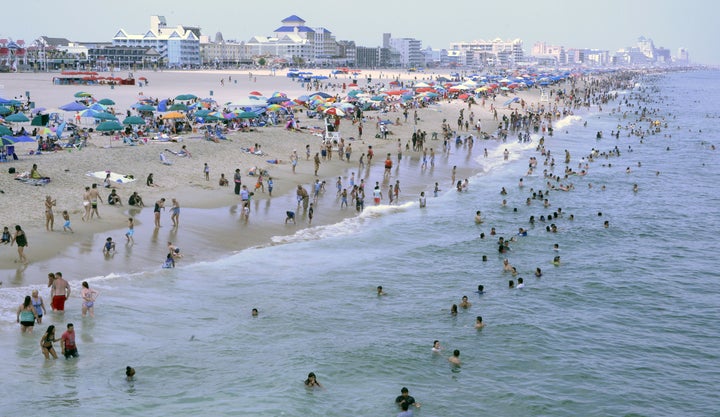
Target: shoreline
205	204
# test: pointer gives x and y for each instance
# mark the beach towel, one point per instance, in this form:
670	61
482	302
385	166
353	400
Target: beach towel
33	181
114	176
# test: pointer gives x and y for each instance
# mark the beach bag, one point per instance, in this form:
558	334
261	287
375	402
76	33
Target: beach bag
11	170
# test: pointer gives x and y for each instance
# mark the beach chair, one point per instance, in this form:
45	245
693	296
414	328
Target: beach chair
164	160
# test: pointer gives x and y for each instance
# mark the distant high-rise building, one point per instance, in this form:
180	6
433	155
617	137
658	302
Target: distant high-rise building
408	50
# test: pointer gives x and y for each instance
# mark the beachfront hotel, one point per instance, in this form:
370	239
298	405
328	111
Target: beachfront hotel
295	43
497	52
177	46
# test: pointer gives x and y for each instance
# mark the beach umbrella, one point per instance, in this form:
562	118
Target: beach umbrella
6	102
106	102
202	113
18	139
134	120
173	115
74	106
186	97
256	93
104	116
40	120
98	107
109	126
17	118
6	140
5	131
274	107
335	111
144	107
80	94
246	115
321	94
4	111
178	107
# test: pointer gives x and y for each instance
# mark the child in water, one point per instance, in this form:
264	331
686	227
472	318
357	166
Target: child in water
169	261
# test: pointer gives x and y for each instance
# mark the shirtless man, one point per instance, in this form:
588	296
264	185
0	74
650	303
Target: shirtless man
60	291
455	358
94	196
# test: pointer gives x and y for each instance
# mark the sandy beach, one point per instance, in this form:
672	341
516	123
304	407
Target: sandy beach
210	221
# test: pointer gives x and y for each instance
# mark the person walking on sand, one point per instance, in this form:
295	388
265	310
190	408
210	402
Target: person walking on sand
317	162
49	216
206	170
21	239
66	223
89	296
160	204
60	291
94	195
86	204
237	179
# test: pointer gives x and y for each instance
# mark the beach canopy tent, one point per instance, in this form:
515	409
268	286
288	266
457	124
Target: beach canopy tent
40	120
74	106
17	118
109	126
134	120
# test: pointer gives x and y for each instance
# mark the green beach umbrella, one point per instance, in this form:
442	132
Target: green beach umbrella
80	94
106	102
185	97
6	141
5	131
109	126
145	107
246	115
104	116
178	107
17	118
134	120
4	111
202	113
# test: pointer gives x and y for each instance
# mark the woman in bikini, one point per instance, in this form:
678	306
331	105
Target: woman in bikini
88	295
46	343
49	217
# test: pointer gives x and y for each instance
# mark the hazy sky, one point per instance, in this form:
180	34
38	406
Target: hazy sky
607	24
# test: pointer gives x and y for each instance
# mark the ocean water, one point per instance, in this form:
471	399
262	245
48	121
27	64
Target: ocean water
626	325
